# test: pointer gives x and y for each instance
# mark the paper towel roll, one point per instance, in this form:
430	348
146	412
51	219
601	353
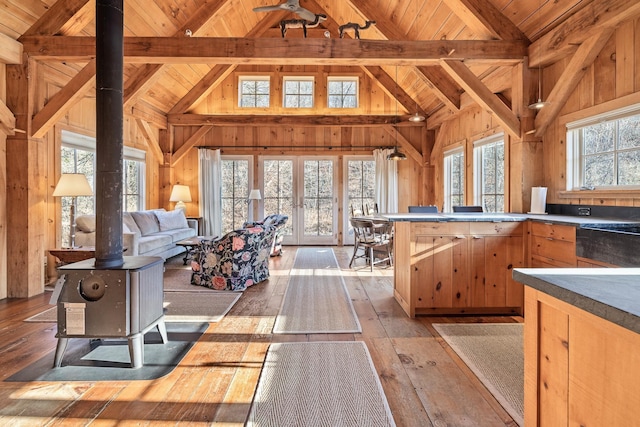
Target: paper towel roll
538	200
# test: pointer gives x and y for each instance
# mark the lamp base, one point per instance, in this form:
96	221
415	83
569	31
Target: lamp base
181	206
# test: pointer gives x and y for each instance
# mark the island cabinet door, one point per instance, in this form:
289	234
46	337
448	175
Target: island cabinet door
441	272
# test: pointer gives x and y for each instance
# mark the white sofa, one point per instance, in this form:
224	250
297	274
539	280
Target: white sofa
148	233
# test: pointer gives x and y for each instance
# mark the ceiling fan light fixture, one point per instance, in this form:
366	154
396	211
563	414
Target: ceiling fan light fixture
416	118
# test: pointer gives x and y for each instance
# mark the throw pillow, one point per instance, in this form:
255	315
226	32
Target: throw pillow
86	223
147	222
172	220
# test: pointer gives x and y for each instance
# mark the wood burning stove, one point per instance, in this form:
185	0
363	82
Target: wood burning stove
123	302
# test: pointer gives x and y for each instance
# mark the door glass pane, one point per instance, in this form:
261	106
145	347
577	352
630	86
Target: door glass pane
235	191
318	197
278	190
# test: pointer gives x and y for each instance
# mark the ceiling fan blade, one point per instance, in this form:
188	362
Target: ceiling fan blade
268	8
305	14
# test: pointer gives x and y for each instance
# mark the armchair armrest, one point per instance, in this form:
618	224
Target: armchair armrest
193	223
130	241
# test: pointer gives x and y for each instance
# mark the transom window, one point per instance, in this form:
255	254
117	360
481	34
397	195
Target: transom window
489	173
253	91
604	151
298	92
453	178
343	92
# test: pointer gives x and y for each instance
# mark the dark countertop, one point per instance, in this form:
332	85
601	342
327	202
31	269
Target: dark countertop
612	294
578	221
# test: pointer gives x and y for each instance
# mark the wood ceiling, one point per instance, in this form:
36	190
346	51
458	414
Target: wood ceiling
420	42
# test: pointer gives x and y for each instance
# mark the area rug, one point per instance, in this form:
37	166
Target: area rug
495	353
319	384
108	360
179	306
316	299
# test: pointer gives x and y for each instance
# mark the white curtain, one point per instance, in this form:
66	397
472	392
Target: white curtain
210	180
386	181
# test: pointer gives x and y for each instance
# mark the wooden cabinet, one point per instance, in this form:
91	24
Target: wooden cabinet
579	368
552	245
458	267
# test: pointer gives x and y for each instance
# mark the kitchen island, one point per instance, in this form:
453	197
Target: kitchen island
458	263
581	346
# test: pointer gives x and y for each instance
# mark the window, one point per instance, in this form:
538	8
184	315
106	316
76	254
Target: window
253	92
343	92
236	178
453	178
298	92
78	155
488	156
278	195
361	176
604	151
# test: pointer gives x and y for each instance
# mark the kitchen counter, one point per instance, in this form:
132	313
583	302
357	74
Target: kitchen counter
612	294
578	221
581	341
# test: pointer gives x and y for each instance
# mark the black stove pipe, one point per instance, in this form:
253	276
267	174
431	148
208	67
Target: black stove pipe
109	132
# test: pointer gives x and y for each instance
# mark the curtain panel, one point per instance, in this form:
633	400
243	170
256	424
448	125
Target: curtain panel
386	181
210	181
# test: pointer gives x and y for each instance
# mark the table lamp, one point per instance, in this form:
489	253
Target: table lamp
180	194
72	185
253	195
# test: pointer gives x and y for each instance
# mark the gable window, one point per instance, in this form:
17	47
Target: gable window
604	151
488	156
298	92
343	92
253	91
453	178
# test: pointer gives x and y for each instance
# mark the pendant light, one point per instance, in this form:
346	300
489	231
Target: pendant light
396	155
540	104
417	117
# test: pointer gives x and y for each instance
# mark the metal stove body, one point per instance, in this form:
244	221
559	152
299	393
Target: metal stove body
124	302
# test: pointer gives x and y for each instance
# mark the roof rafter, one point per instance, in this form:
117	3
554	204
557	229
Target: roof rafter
485	19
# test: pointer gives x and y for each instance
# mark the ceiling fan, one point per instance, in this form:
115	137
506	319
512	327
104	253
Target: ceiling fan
291	6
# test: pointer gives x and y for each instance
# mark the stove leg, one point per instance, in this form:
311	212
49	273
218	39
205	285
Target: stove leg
162	329
136	350
61	347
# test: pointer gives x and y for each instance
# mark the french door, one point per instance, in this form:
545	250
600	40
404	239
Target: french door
304	188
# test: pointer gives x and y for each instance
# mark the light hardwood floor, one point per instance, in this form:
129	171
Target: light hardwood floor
426	384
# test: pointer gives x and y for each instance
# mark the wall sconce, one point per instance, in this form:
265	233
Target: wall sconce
72	185
180	194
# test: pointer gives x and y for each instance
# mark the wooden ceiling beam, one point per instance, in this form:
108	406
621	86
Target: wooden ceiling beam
290	120
483	96
10	50
59	15
7	119
404	144
485	19
571	76
143	110
237	50
62	101
442	85
152	141
189	143
148	74
564	40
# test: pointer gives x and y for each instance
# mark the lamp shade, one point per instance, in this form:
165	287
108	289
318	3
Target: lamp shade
180	193
255	195
72	185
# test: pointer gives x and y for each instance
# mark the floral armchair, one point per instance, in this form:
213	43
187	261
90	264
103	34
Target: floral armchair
278	220
234	262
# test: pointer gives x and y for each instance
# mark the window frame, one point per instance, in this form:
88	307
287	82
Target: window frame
354	79
246	77
478	169
447	160
293	78
575	157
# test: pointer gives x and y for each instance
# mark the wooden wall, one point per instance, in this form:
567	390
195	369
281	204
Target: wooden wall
3	194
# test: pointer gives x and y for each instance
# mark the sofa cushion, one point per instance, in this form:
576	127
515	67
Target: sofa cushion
148	243
172	220
178	234
147	222
127	220
86	223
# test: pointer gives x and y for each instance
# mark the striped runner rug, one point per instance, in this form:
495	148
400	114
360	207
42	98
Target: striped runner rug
316	299
319	384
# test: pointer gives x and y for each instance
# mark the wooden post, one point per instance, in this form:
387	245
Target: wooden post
26	158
